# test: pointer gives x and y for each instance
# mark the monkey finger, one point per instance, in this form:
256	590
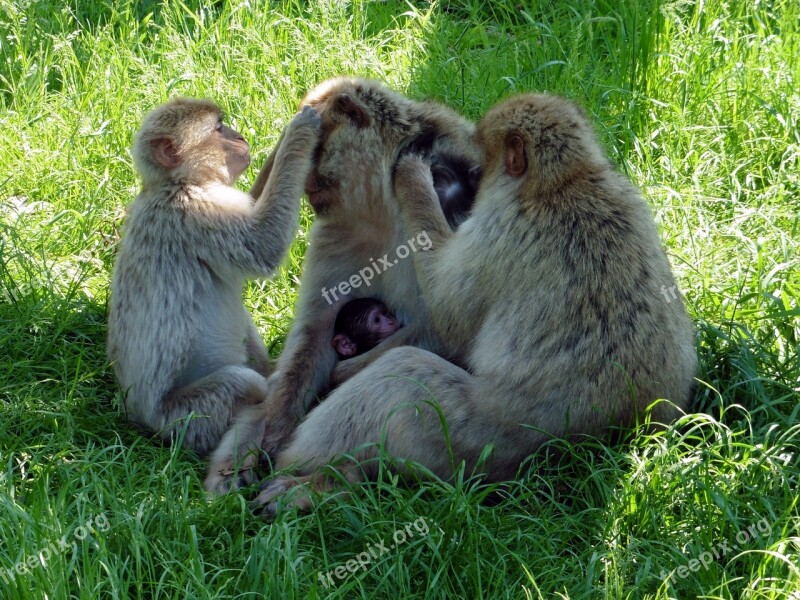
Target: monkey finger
308	115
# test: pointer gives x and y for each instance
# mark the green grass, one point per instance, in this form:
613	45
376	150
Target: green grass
697	102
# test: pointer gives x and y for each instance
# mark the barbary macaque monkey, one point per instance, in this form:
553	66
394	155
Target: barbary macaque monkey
361	325
549	293
365	128
181	340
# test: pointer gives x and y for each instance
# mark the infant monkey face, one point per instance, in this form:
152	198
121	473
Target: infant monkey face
381	322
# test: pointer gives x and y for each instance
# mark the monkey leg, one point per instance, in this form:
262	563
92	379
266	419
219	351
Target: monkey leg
396	400
257	354
212	402
429	411
421	407
303	369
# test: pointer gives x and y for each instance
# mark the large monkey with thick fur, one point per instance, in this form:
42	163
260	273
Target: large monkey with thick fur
550	293
181	339
352	244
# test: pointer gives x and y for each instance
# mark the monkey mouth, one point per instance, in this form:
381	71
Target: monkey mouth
244	147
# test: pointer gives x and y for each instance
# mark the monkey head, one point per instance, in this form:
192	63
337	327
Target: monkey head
365	127
361	325
542	140
186	139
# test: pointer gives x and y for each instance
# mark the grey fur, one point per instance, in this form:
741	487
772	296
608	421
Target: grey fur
365	127
181	340
550	293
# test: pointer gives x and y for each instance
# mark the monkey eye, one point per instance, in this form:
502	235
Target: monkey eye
219	126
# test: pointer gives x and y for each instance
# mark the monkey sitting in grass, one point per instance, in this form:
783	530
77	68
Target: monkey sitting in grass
181	340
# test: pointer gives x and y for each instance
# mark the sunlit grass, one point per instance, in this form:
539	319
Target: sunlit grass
696	102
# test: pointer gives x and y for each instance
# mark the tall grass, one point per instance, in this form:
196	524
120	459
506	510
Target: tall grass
696	102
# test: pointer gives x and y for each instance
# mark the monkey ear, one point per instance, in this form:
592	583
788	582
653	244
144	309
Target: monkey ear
344	345
516	163
165	152
353	109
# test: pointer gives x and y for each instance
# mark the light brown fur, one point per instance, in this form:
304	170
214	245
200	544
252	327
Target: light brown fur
180	338
365	127
550	293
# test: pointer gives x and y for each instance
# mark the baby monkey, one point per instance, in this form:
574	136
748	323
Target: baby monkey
361	325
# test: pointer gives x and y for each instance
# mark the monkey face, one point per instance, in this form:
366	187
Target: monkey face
381	323
186	138
235	148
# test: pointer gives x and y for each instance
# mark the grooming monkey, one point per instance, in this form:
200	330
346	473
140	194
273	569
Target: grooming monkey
549	292
361	325
181	340
455	180
365	128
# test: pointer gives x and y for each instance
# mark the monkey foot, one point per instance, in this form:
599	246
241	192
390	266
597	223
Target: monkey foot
273	496
227	479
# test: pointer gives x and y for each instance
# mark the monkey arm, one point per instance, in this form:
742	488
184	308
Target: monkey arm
347	368
277	205
256	238
266	169
421	211
257	354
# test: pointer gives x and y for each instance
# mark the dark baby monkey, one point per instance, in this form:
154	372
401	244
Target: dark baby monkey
361	325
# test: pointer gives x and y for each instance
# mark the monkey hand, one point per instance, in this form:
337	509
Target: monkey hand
307	117
282	492
227	476
413	182
300	138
